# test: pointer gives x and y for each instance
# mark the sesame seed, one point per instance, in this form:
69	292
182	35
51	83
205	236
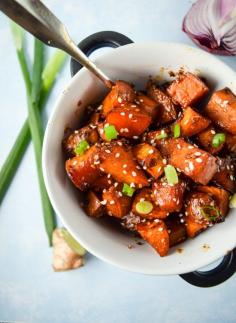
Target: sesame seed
117	155
134	173
107	151
227	167
198	160
164	161
231	177
142	199
133	105
132	185
151	151
74	162
124	171
135	137
186	169
138	167
109	182
130	116
178	146
112	202
190	147
97	162
122	113
197	153
213	132
124	166
141	100
102	169
119	143
156	220
144	167
108	175
119	99
119	193
191	166
182	220
104	202
160	229
174	199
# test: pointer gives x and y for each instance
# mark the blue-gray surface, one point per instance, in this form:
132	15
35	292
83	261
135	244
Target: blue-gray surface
29	290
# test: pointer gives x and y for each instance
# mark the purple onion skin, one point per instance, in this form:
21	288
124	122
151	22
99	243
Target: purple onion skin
208	42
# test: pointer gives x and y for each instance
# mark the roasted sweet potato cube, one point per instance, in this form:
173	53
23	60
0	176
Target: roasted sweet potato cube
117	204
149	158
86	133
225	175
81	169
192	122
231	144
221	109
150	106
168	110
120	93
146	195
94	207
194	220
187	89
169	197
159	139
118	160
102	183
195	163
129	120
205	139
221	198
176	229
156	235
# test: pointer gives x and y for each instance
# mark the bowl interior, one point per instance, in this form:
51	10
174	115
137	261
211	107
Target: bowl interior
133	63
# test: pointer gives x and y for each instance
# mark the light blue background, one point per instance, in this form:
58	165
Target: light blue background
29	290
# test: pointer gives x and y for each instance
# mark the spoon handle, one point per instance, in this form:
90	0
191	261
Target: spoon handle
37	19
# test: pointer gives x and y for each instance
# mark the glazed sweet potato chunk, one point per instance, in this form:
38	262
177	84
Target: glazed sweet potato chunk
192	122
176	229
225	174
169	197
231	144
82	170
94	207
102	183
222	110
146	195
195	220
156	235
187	89
117	204
150	106
159	139
129	120
195	163
86	133
168	111
120	93
118	160
150	159
221	198
205	139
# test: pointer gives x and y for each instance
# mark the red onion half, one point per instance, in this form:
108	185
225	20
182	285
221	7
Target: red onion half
211	24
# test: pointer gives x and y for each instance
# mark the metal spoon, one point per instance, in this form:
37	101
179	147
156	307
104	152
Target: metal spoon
36	18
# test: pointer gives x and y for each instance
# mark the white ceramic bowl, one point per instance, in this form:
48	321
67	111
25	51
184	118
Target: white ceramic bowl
133	63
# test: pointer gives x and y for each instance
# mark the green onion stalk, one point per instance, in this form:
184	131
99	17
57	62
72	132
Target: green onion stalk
37	92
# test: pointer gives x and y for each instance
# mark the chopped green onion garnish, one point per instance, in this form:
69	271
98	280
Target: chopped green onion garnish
162	135
232	202
218	139
75	246
144	207
210	212
127	190
110	132
176	130
171	174
81	147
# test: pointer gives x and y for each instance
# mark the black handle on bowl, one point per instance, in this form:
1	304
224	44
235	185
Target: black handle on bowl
215	276
96	41
227	267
